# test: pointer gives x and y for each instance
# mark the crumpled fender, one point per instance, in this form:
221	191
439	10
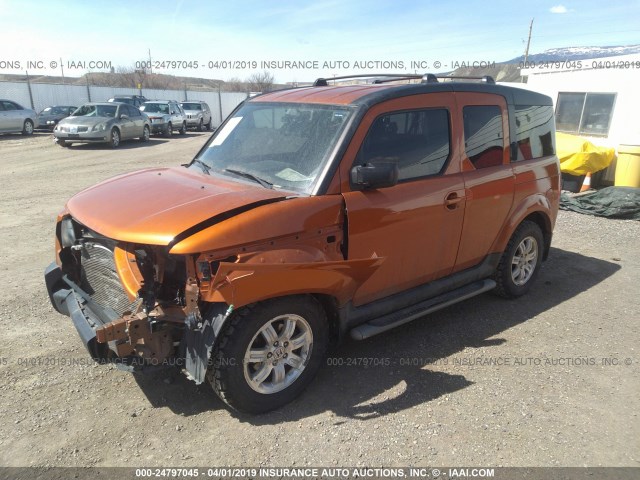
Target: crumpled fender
239	284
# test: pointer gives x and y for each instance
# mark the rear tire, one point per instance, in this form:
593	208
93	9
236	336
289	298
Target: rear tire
520	263
268	353
146	133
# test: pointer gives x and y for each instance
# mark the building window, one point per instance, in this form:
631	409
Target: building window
584	113
535	135
417	141
483	135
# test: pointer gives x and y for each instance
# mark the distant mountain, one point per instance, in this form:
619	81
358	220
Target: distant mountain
577	53
509	71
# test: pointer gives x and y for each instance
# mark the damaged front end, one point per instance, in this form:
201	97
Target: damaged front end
130	304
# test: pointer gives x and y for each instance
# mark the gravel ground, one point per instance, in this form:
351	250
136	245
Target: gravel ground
551	379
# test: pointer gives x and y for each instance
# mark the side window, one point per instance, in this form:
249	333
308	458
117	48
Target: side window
585	113
535	132
418	141
9	106
133	112
483	135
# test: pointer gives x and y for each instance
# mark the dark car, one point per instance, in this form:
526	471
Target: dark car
50	116
135	100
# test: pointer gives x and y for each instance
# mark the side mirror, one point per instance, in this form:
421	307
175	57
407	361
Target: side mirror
124	116
369	176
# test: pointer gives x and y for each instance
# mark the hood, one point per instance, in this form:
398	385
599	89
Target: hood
154	206
88	121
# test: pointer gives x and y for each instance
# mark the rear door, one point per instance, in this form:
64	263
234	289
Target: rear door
489	181
126	124
137	121
13	118
416	224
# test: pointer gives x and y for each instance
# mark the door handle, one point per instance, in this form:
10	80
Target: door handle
452	200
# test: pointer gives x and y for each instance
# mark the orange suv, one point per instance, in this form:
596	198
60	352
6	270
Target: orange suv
309	214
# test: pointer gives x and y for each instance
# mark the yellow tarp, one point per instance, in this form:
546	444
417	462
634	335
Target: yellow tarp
579	156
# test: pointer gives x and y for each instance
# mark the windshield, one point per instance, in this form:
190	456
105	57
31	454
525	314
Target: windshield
155	108
191	106
54	111
96	111
284	144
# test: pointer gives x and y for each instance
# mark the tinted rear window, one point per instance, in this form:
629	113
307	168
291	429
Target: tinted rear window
483	135
535	131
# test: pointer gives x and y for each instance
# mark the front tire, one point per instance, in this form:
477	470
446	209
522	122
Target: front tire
115	138
27	128
63	143
183	129
269	353
169	131
520	263
200	126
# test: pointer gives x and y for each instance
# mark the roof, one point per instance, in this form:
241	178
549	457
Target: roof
374	93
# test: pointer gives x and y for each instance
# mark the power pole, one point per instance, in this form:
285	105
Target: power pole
526	52
151	68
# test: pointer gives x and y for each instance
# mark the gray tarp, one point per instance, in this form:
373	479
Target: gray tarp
611	202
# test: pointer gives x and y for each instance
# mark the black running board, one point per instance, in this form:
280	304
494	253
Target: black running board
392	320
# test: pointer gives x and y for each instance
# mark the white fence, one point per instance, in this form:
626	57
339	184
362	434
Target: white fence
40	95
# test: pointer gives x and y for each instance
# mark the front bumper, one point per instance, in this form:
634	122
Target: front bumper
104	136
102	331
158	125
44	124
68	299
193	121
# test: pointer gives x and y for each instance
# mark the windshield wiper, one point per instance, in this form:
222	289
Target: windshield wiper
250	176
205	168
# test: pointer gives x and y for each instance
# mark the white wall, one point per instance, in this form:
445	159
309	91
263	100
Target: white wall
46	94
624	82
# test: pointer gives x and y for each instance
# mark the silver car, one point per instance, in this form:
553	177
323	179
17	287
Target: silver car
166	116
103	122
198	114
14	118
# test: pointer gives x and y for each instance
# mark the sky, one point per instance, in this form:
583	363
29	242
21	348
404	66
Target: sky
232	39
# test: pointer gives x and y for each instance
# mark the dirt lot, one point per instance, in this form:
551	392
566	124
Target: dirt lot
488	382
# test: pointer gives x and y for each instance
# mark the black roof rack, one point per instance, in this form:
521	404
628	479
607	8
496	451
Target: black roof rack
484	79
394	77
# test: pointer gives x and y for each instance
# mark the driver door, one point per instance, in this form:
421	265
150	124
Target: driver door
415	225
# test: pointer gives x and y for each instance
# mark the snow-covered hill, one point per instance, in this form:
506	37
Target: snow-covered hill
578	53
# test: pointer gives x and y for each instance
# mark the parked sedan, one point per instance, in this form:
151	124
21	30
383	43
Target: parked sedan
50	116
103	122
14	118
